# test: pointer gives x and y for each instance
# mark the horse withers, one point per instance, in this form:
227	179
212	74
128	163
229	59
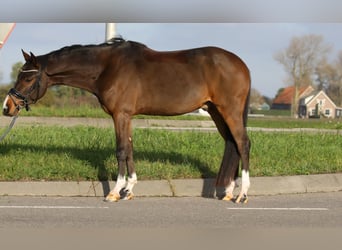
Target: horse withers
128	78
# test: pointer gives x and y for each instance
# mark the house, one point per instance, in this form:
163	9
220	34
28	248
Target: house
264	106
318	104
285	98
312	103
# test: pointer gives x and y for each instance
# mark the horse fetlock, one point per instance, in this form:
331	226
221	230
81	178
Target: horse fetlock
230	188
242	198
245	184
131	181
126	194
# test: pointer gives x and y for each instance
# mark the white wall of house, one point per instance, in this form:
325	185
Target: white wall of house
323	104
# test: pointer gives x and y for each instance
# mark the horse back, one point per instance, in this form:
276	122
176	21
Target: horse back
177	82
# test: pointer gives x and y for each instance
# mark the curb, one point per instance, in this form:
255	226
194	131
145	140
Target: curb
179	187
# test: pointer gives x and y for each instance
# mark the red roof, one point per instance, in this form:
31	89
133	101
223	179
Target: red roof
286	96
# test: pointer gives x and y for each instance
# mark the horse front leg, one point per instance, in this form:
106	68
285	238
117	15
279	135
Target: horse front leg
124	155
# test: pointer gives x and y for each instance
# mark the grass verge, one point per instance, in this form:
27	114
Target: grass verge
88	153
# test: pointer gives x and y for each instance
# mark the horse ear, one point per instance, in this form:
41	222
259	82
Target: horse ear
33	59
26	56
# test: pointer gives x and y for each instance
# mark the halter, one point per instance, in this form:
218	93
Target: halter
25	98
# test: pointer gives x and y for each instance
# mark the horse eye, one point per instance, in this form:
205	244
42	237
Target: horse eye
28	79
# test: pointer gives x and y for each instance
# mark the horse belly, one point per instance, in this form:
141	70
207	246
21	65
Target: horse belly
173	100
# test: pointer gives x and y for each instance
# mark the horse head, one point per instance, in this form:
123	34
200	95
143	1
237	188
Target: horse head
27	88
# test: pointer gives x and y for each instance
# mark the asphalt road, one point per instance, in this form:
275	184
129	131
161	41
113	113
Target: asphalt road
316	210
272	221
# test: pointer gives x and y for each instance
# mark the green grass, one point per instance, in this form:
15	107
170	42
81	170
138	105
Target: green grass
88	153
287	122
74	111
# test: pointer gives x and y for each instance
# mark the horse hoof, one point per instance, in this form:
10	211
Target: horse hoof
129	196
228	197
242	199
112	197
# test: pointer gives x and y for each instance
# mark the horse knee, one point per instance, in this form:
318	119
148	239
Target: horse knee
121	154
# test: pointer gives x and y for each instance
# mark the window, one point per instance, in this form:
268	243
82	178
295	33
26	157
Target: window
339	113
327	112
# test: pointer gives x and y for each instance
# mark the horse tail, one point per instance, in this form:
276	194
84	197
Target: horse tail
246	109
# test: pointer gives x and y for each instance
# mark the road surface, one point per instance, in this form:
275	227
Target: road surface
309	221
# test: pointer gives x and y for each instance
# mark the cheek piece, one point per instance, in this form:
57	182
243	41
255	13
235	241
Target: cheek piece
25	98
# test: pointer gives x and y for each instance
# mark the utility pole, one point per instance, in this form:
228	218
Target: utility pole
110	31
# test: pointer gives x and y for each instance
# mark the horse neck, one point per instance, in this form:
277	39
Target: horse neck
73	71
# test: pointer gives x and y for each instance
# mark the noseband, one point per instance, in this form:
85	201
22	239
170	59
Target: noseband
25	98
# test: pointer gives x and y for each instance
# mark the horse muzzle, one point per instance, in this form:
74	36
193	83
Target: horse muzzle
9	107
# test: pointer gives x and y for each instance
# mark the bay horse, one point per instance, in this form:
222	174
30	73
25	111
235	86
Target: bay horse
128	78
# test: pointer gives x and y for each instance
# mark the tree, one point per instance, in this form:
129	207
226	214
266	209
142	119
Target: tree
335	87
329	79
325	75
300	60
15	70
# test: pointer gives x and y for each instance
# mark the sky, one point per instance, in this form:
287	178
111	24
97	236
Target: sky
255	43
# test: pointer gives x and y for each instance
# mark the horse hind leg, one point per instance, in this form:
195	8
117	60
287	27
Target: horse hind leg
239	133
228	171
237	148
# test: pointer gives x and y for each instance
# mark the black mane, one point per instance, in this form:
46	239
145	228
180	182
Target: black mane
116	41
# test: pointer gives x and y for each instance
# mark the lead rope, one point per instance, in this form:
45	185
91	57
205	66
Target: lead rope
9	128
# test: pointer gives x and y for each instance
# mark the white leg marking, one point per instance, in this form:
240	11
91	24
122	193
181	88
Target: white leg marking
120	183
131	182
4	106
244	187
230	188
245	180
114	195
229	191
129	188
127	193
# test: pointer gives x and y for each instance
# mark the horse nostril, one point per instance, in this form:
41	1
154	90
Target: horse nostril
5	111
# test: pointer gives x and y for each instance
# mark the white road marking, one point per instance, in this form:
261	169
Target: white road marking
280	208
52	207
